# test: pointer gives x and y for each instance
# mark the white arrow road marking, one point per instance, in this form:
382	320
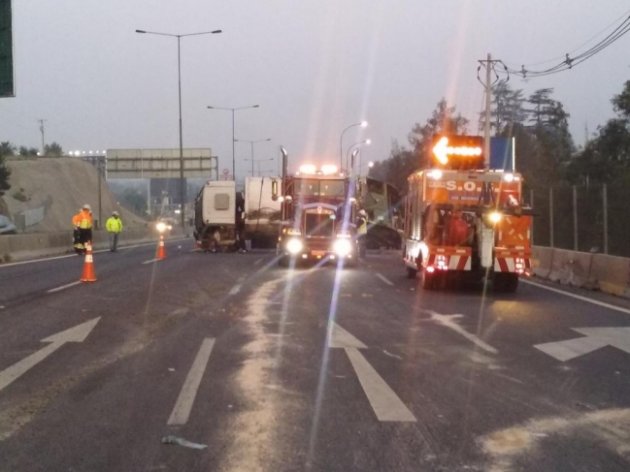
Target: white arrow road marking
447	321
596	338
384	401
76	334
385	279
186	398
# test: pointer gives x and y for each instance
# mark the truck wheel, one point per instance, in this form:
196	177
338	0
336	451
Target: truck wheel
506	283
411	273
428	281
283	261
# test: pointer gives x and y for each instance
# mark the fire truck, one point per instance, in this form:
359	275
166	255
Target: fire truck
465	221
317	212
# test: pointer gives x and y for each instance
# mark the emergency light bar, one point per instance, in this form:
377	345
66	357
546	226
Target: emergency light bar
311	169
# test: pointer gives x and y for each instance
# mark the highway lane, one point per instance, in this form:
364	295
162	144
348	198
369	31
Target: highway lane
311	369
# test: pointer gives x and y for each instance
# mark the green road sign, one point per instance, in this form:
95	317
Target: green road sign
6	50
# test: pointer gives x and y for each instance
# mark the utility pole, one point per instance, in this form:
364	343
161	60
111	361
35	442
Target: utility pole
489	65
41	130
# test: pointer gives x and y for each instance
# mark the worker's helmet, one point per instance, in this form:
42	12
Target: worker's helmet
114	213
87	207
362	213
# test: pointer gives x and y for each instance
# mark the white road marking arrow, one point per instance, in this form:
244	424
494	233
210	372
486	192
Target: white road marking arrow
596	338
76	334
384	401
448	322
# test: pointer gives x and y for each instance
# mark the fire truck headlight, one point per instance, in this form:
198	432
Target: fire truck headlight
494	217
508	177
435	174
160	226
294	246
342	247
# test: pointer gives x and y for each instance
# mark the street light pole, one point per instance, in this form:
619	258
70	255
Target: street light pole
251	143
233	110
179	96
362	124
356	145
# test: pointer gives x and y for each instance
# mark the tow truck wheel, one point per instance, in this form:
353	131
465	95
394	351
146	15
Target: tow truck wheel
507	283
428	281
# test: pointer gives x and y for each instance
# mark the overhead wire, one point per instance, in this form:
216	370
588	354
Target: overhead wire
569	62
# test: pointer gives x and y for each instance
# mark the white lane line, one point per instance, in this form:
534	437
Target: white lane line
186	398
385	279
385	403
63	287
258	261
150	261
235	289
54	258
579	297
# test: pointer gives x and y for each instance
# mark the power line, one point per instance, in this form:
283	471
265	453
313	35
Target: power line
571	61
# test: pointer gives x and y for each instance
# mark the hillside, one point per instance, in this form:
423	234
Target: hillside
45	193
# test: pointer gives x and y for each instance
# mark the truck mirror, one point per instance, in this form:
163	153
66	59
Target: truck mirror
274	190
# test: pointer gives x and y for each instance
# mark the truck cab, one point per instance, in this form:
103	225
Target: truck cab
318	209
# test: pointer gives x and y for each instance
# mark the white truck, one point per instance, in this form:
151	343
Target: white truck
216	215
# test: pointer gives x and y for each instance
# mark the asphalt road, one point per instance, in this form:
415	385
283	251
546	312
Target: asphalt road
226	362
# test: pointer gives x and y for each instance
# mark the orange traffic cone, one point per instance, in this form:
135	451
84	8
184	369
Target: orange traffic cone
161	251
88	265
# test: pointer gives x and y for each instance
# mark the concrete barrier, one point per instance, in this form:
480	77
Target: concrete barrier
610	274
20	247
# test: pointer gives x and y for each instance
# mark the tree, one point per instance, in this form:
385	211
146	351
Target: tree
53	150
621	103
7	149
4	176
506	109
607	157
443	121
27	152
403	162
542	103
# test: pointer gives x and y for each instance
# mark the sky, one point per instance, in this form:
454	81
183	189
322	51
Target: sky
314	67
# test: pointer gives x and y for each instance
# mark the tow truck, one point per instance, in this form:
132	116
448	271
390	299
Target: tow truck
465	221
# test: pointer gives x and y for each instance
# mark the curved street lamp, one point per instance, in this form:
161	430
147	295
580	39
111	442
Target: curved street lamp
365	142
210	107
179	88
362	124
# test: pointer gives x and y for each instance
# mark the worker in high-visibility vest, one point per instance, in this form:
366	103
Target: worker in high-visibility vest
362	227
82	223
114	226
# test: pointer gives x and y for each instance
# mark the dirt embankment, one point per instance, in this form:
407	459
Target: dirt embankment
46	192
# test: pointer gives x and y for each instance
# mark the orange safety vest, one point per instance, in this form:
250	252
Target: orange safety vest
83	219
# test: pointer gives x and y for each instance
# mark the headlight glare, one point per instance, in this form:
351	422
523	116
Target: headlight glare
294	246
342	247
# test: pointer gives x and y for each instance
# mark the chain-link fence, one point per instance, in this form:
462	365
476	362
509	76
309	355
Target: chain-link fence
594	218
